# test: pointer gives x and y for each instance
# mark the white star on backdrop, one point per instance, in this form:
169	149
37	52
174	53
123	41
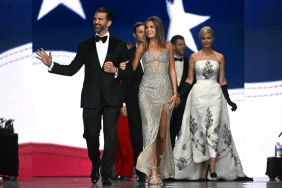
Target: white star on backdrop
49	5
181	23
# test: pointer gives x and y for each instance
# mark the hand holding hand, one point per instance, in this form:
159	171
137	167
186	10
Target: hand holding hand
177	102
123	65
123	111
233	105
172	102
42	56
109	67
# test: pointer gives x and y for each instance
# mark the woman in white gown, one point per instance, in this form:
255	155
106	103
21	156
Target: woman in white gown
205	135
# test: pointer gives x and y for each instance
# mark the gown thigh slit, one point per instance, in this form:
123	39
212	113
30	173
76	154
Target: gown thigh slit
155	91
161	138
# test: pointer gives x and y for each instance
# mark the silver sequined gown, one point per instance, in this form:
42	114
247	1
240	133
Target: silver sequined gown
155	91
205	130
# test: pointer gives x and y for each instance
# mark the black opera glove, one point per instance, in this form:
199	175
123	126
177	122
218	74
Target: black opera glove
185	90
226	95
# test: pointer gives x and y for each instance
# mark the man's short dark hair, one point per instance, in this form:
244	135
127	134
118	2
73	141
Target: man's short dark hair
175	38
109	14
137	25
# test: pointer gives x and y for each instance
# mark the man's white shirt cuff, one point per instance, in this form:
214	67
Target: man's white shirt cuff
124	104
50	68
116	73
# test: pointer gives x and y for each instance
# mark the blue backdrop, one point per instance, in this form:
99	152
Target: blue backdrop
61	28
234	22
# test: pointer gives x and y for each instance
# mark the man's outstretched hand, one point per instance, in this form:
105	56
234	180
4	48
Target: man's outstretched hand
44	57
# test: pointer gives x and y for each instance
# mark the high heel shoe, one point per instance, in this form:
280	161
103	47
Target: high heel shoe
153	180
213	175
160	181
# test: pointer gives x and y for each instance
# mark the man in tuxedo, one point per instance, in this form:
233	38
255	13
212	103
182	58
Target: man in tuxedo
181	68
101	92
130	100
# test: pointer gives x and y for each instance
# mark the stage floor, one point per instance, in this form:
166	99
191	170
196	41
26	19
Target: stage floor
85	182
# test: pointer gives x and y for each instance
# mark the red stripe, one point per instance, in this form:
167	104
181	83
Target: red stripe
46	159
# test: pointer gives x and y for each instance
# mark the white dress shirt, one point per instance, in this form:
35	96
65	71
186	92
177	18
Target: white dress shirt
179	69
102	48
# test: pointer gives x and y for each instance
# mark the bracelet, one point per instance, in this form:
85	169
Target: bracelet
176	93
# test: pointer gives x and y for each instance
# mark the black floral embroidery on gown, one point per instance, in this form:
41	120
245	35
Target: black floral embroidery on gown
208	119
227	136
193	125
228	142
208	123
181	163
193	130
216	130
208	71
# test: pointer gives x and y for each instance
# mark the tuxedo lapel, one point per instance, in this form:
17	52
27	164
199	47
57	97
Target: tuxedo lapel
93	51
111	48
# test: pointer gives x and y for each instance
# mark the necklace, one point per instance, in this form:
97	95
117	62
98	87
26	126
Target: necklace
205	56
155	48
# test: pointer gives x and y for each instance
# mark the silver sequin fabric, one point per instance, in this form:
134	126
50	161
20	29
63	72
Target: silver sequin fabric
155	91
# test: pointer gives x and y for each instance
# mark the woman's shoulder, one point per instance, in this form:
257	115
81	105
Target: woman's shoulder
195	55
167	43
141	46
219	57
140	49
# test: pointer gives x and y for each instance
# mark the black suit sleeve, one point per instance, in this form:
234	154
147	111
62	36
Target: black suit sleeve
124	82
128	72
73	67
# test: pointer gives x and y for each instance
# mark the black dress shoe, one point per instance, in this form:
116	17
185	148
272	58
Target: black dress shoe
141	179
107	181
95	175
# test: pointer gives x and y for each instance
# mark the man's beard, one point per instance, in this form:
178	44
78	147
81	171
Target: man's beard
180	53
98	30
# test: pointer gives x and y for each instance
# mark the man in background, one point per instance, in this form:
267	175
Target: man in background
130	107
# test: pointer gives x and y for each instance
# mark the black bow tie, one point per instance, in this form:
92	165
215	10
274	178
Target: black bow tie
176	59
98	38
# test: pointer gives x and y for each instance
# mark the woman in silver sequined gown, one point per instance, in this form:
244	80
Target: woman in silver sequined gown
157	95
205	134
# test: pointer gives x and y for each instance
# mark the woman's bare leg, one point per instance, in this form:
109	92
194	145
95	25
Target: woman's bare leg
204	170
153	179
213	165
161	138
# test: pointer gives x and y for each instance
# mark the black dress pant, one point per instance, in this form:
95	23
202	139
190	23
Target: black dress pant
135	129
92	127
175	123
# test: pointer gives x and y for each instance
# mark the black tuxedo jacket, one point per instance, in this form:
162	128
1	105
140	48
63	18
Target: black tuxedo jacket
131	87
98	83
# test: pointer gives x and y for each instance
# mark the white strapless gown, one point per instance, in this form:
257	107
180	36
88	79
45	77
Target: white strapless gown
205	130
